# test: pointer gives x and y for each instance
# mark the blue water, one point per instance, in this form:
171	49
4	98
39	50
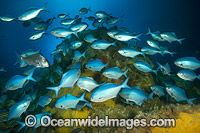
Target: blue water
179	16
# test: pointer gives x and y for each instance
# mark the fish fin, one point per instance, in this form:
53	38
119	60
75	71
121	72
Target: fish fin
155	71
150	96
125	72
114	44
125	84
90	105
198	77
137	37
172	53
84	54
159	65
161	53
190	100
180	40
140	103
19	58
29	77
56	89
75	33
89	9
106	64
22	125
149	32
44	7
3	69
81	98
143	54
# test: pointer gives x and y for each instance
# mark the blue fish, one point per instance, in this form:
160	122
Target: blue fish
69	101
75	44
102	44
187	74
130	52
44	100
18	81
82	104
178	94
144	67
158	90
38	119
107	91
17	109
95	65
68	80
77	55
135	94
114	73
188	63
90	38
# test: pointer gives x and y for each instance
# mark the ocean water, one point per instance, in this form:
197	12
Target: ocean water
177	16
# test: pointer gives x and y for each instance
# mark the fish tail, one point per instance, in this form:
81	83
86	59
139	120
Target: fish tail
143	54
82	97
137	37
198	77
19	58
114	44
106	64
3	69
84	54
172	53
190	100
56	89
90	105
44	6
125	72
149	32
150	96
89	9
155	71
180	40
161	53
159	65
125	84
29	77
22	125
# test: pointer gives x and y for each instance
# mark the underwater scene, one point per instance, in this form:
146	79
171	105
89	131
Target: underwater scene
101	66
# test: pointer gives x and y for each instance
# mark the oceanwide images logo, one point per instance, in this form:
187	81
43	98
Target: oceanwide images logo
45	121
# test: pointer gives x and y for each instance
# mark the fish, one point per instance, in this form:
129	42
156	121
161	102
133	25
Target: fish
95	65
64	48
29	52
77	65
61	32
75	44
87	83
7	18
90	18
59	70
151	51
101	14
107	91
18	81
84	10
40	26
3	99
165	69
90	38
124	36
158	90
63	15
38	121
2	69
36	60
111	33
31	13
113	20
164	50
27	23
144	67
69	101
187	74
135	94
179	94
17	109
130	52
77	55
102	44
114	73
82	104
171	37
98	22
153	44
37	35
68	80
78	27
155	35
44	100
187	63
67	21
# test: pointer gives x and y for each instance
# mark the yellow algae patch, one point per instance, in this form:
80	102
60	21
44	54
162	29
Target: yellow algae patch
185	124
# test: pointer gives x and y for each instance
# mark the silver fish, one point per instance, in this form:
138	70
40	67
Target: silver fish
87	83
67	21
37	35
44	100
144	67
107	91
124	36
188	63
84	10
78	27
77	55
95	65
187	74
153	44
130	52
101	14
102	44
61	32
171	37
158	90
155	35
7	18
114	73
63	15
75	44
151	51
165	69
90	38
